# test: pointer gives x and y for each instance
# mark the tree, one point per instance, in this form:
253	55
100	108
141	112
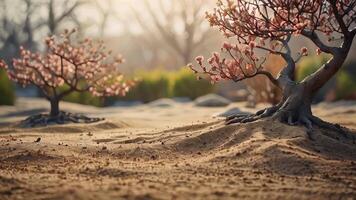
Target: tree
17	31
57	16
105	10
28	23
82	66
185	40
268	26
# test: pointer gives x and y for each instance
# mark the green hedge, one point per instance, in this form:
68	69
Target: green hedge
159	83
153	85
7	90
309	65
186	85
344	82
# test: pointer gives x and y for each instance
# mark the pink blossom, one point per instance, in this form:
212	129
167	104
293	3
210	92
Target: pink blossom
69	63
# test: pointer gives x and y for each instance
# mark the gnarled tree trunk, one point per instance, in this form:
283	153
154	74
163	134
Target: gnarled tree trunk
295	106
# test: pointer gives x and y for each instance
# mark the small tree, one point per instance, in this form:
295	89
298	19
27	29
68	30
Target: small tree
268	26
81	66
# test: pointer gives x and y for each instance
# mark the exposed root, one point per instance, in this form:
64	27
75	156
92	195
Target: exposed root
289	117
61	118
250	118
241	118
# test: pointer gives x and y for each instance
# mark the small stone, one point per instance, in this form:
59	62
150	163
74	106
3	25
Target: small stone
212	100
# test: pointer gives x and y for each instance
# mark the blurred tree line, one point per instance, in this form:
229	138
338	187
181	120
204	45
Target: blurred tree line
150	34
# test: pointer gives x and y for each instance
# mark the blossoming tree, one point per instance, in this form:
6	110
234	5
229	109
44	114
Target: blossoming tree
262	27
83	66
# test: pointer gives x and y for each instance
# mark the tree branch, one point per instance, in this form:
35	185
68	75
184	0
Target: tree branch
316	40
68	12
170	38
338	17
270	77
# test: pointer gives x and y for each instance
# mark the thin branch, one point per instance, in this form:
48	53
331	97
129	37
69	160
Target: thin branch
316	40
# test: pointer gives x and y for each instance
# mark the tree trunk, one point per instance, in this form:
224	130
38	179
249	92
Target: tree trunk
295	106
294	109
54	107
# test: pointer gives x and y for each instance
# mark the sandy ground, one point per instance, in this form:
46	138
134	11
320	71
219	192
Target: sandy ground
174	152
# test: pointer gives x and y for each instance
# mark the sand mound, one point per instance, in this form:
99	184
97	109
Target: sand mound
68	128
268	145
82	128
265	145
26	157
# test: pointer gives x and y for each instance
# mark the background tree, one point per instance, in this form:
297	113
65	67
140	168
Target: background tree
17	30
106	11
23	28
81	66
268	26
179	23
56	17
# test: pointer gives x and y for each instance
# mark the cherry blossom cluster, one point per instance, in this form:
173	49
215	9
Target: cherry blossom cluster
266	25
239	64
268	19
83	66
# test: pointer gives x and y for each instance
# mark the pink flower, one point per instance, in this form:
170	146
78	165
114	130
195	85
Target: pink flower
199	59
318	51
304	51
252	44
227	46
